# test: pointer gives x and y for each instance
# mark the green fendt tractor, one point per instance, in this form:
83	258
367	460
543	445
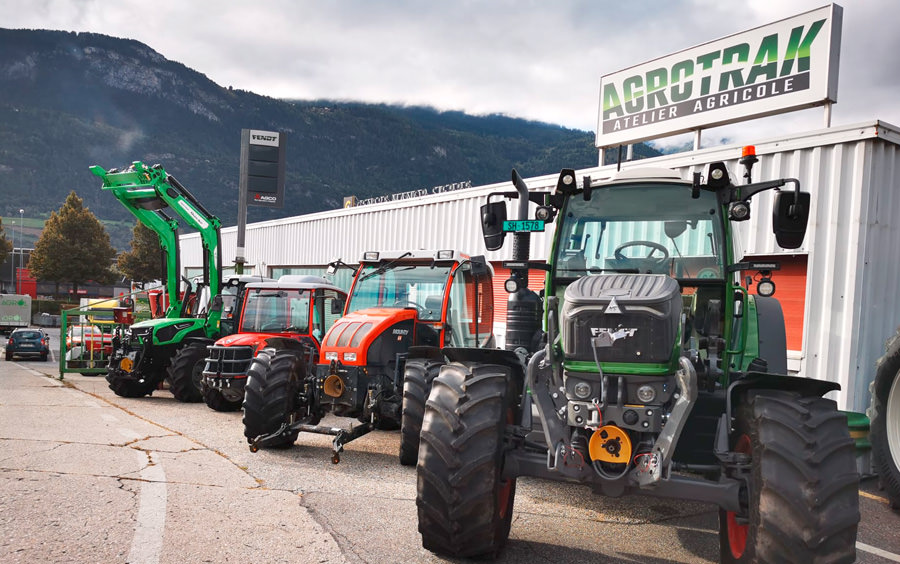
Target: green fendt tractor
147	352
646	367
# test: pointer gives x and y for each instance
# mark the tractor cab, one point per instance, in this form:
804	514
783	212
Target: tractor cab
413	298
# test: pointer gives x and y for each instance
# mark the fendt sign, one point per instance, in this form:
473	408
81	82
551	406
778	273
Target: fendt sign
788	65
262	167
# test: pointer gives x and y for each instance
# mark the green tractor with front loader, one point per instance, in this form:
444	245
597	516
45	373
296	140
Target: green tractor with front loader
645	367
173	346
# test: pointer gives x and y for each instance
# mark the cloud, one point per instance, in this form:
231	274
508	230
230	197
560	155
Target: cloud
532	59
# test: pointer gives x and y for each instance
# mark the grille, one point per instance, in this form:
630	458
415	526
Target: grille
228	361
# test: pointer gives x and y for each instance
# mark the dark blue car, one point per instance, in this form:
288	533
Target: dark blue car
32	343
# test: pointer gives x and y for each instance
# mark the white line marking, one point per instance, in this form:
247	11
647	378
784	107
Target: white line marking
878	552
146	545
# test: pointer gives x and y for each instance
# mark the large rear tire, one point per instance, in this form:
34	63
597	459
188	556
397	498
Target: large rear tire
803	499
884	414
464	504
186	373
270	395
417	379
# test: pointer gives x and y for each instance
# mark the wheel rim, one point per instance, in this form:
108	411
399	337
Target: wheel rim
737	533
892	419
197	375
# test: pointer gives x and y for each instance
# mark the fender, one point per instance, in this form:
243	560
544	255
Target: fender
764	381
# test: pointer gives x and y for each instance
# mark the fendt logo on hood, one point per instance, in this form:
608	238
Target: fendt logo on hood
616	333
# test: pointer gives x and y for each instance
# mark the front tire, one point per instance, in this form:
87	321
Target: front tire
417	379
464	504
126	386
884	431
186	372
803	500
215	399
270	395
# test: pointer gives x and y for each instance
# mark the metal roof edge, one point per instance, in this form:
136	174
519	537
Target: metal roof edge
874	129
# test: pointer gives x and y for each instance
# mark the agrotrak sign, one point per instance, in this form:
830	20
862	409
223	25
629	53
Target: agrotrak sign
784	66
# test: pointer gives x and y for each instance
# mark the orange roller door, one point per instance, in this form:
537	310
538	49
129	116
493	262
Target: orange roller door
790	290
535	282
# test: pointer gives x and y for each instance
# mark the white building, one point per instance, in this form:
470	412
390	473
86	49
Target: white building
838	291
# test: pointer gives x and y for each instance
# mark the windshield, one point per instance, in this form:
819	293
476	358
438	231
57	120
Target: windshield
404	285
276	311
645	228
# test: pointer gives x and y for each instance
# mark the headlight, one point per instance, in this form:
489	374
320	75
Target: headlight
350	357
765	287
333	355
582	390
646	394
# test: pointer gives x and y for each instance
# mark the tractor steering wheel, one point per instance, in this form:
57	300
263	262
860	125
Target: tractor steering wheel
654	246
419	309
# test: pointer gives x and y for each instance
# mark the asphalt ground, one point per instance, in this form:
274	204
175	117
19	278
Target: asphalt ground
86	476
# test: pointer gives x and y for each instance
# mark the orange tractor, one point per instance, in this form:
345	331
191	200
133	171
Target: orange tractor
406	313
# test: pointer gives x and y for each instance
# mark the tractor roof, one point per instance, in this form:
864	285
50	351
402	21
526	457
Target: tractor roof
413	255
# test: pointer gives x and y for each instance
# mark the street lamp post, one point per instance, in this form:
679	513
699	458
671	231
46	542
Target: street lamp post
12	260
21	244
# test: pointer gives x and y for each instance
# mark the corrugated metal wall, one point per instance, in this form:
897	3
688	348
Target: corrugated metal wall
852	243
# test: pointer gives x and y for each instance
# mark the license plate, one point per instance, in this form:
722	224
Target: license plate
523	226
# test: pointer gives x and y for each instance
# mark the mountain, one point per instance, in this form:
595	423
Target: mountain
71	100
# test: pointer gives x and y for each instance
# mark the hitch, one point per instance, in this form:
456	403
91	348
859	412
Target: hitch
341	436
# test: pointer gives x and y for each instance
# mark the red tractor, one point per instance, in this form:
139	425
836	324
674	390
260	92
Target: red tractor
406	313
291	314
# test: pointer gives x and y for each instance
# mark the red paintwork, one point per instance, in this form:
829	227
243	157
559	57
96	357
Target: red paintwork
380	318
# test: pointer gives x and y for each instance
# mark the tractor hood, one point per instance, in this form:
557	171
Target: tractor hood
621	318
244	339
370	336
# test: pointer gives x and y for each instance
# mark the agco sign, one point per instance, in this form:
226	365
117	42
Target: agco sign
780	67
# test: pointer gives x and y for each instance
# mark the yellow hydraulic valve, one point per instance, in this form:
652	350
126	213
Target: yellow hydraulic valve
610	444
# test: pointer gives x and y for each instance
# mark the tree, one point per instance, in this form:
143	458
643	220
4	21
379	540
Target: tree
74	247
5	244
143	262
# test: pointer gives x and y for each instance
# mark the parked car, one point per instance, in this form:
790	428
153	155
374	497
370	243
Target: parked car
28	343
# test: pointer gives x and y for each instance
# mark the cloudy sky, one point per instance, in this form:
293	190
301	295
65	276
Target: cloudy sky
534	59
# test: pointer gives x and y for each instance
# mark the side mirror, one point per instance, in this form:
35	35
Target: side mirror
216	304
479	266
675	228
337	307
493	214
789	218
